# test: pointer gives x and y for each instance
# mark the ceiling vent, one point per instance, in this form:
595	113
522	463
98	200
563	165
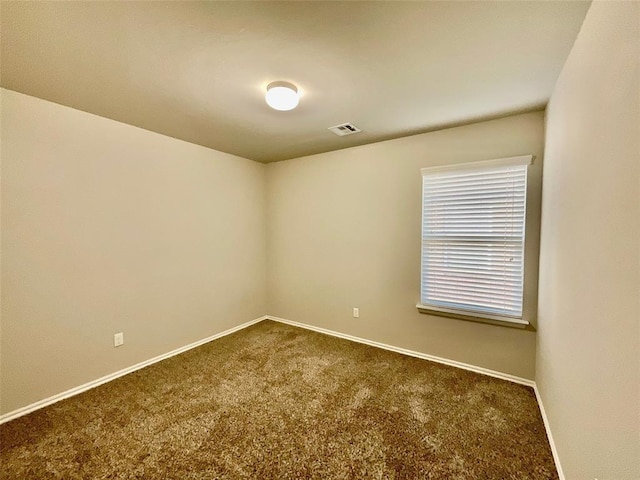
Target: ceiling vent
345	129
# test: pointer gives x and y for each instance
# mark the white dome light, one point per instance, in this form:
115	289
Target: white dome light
282	96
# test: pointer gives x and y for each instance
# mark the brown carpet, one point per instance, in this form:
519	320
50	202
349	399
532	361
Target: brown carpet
278	402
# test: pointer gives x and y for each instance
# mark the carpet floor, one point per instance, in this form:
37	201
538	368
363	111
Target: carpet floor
279	402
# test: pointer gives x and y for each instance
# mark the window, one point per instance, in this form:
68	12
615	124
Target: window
473	235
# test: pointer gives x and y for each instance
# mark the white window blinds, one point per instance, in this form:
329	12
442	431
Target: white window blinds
473	227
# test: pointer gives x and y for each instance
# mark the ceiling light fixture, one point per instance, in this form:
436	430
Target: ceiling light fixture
282	96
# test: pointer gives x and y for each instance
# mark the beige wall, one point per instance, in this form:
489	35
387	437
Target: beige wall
588	364
108	228
344	231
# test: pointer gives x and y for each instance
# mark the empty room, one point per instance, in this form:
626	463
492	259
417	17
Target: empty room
320	240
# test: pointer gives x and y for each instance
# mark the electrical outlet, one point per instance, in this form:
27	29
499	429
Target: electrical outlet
356	312
118	339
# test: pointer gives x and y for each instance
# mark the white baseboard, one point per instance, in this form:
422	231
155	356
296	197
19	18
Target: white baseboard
547	427
404	351
112	376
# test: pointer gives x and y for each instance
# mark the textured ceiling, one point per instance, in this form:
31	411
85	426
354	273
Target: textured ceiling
197	70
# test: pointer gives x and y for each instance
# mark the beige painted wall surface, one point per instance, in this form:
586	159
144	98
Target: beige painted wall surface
344	231
108	228
588	365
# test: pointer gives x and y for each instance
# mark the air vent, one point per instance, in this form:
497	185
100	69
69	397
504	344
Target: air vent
345	129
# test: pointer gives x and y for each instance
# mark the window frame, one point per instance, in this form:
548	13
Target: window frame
463	314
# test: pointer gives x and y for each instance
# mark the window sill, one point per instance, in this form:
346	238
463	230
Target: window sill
511	323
